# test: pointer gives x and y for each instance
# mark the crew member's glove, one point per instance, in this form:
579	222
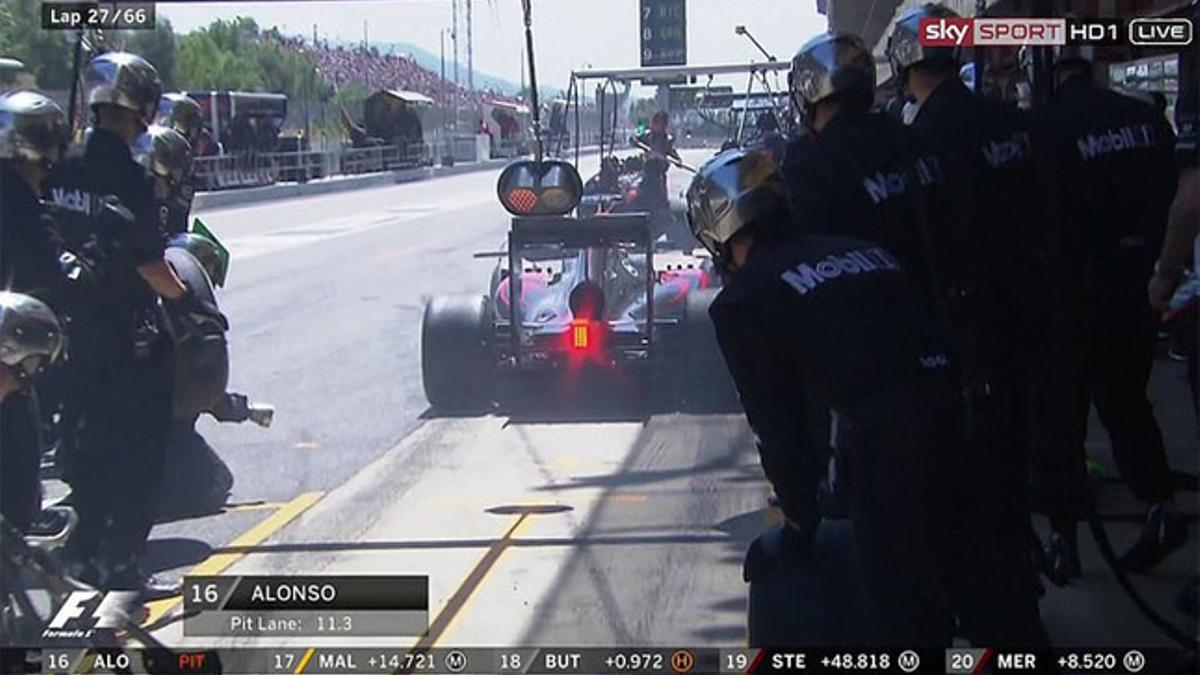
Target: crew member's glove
234	407
77	270
783	547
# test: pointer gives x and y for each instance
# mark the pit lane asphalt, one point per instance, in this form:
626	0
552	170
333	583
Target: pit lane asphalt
537	530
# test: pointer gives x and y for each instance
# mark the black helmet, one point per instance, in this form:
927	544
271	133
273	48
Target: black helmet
181	113
31	127
165	153
30	335
967	75
828	65
1075	53
738	190
125	80
904	48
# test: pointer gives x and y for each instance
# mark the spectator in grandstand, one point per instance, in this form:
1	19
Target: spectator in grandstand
386	71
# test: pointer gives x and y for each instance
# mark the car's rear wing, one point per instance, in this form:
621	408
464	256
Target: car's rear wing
587	232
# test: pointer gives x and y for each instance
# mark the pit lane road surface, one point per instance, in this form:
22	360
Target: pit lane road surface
564	528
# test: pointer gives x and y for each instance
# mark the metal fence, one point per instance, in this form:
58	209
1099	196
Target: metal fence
250	169
264	168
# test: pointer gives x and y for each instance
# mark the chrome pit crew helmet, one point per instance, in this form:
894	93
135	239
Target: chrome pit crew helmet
30	335
1060	55
124	80
183	114
1083	56
736	191
967	75
904	48
832	64
31	127
165	153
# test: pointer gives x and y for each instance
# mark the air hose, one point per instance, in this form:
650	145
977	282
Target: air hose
1100	535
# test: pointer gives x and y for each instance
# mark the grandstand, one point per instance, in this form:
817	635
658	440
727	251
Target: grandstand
367	66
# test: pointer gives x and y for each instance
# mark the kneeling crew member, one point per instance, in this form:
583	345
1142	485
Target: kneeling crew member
31	339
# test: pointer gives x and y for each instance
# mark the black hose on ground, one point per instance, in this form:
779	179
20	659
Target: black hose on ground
1100	534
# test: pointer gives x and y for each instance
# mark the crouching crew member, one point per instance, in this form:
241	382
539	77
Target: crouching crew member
813	323
31	338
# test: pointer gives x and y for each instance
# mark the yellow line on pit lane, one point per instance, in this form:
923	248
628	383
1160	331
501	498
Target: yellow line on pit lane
470	585
219	562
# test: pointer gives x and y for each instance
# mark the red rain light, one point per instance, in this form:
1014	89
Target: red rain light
580	334
523	200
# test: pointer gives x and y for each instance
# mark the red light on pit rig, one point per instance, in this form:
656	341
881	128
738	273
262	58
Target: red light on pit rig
522	200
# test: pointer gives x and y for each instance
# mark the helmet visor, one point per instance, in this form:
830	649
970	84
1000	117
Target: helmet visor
33	137
42	139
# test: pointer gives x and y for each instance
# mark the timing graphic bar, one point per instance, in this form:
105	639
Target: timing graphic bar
578	661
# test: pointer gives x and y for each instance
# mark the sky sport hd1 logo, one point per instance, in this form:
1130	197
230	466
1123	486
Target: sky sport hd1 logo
1049	32
85	612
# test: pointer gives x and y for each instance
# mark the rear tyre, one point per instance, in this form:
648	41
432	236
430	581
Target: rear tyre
455	370
708	387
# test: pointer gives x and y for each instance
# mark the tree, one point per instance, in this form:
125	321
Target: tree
350	97
8	24
45	53
236	54
158	47
204	64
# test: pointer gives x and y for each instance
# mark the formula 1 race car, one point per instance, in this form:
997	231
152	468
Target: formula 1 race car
619	187
576	297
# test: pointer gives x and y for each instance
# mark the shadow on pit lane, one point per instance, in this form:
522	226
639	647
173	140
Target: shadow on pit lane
628	478
745	527
596	396
174	552
728	634
444	544
552	401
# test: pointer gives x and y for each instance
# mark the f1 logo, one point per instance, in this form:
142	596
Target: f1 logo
946	32
109	612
